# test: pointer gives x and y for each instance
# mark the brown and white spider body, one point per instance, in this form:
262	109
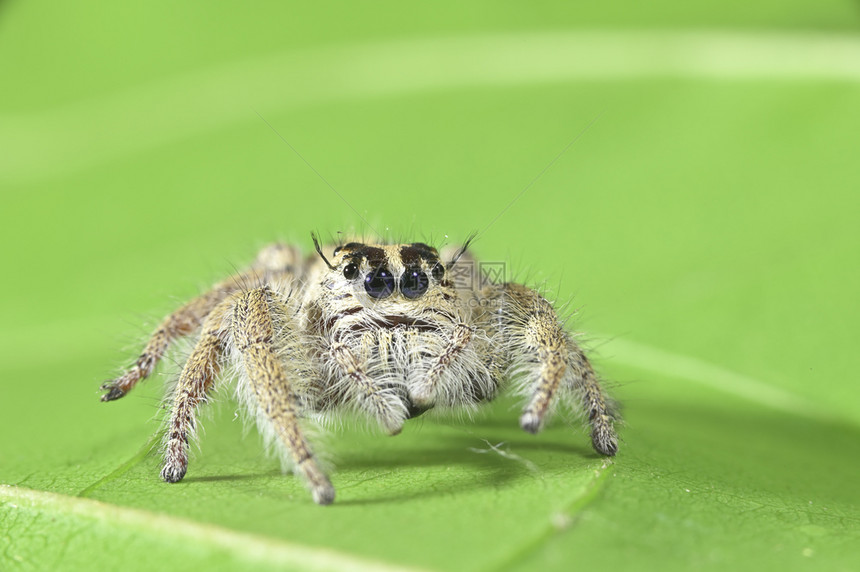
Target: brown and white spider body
388	330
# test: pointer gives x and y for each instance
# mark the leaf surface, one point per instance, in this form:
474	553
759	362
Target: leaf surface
706	222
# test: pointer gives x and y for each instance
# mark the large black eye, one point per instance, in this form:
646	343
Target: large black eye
414	283
350	271
379	283
438	271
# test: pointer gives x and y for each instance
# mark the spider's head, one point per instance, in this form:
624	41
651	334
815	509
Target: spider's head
390	274
383	271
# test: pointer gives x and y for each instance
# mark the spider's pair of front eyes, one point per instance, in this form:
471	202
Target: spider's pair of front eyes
381	283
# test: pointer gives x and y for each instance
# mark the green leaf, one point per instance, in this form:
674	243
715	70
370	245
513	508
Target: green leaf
706	224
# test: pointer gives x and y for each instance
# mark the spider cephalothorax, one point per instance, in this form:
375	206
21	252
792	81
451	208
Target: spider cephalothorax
383	329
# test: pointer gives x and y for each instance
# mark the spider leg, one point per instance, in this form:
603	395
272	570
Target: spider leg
594	401
273	262
482	367
423	391
182	322
253	332
381	402
545	351
194	382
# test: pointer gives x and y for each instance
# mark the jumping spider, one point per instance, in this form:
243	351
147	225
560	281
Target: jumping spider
384	329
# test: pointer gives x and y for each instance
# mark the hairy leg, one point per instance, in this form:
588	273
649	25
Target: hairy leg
253	332
423	391
382	403
195	381
274	262
548	354
594	401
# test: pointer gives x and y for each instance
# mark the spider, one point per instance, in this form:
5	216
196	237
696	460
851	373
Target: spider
388	330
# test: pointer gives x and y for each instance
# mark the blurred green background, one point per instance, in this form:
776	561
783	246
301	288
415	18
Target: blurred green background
704	222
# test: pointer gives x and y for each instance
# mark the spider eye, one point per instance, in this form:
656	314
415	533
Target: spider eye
438	271
379	283
350	271
414	283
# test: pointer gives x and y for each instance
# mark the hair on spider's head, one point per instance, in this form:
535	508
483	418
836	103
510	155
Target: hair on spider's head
462	250
319	250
